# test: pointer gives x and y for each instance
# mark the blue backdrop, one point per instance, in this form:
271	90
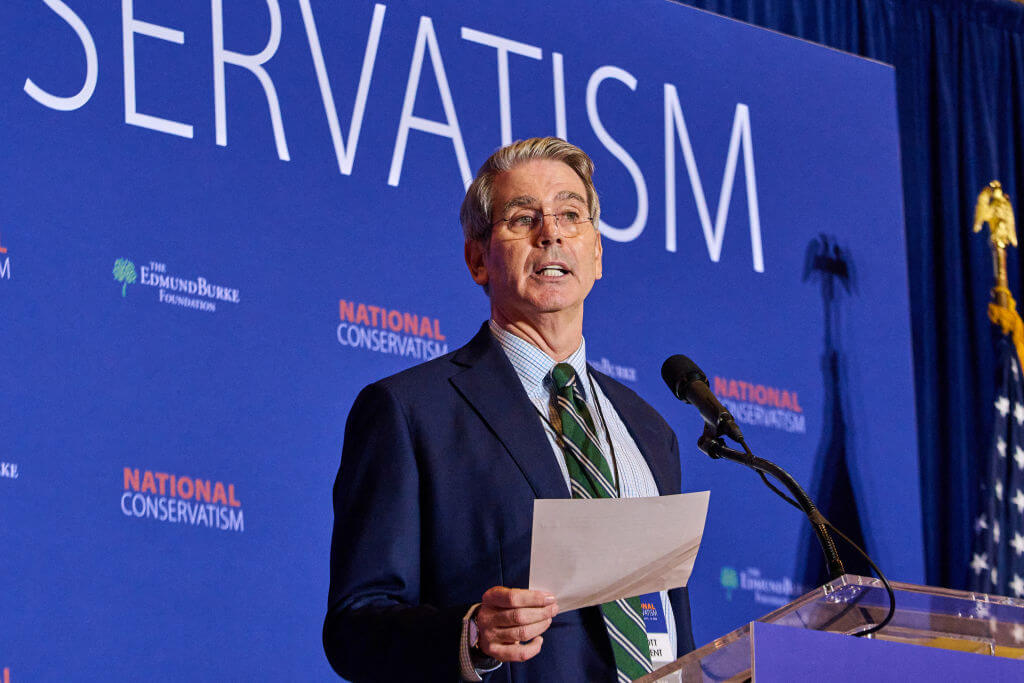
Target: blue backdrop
220	221
960	87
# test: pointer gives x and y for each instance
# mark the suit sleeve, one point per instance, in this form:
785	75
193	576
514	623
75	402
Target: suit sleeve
376	629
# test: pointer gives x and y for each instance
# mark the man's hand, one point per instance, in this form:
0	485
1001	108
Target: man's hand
510	621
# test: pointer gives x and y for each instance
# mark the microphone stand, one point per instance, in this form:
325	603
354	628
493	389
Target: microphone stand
714	447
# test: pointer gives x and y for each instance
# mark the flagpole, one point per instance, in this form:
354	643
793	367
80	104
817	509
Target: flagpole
997	560
994	208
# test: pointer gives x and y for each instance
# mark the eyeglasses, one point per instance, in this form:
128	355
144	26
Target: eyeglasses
524	221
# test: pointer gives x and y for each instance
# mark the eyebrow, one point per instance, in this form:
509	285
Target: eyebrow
569	194
528	200
521	200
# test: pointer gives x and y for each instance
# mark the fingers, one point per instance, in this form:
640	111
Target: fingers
500	596
519	633
511	621
519	616
514	653
505	608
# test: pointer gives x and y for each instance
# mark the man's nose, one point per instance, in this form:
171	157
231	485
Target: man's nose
550	230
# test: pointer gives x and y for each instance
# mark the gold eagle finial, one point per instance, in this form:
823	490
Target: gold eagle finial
994	208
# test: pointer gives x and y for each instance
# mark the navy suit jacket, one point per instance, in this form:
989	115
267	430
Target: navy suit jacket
433	505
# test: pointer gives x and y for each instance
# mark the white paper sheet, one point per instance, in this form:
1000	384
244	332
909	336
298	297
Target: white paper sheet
588	552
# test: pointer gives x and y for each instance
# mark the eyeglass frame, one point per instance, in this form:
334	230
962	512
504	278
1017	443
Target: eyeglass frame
539	215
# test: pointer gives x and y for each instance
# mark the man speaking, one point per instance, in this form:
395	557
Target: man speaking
441	463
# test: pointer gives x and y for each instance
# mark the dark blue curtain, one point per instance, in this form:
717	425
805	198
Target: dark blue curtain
960	89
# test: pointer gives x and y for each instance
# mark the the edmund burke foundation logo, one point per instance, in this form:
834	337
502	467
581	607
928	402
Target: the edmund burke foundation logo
9	470
181	499
391	331
617	371
761	405
766	591
730	581
124	271
196	293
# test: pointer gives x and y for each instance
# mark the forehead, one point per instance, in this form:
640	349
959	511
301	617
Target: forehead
539	179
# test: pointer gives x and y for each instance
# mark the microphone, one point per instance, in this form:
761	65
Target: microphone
688	383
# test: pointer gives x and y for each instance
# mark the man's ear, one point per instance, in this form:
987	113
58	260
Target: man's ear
475	261
598	252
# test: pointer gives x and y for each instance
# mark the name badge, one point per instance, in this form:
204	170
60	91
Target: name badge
657	630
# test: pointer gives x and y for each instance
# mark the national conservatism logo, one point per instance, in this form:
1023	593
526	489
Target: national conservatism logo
197	293
388	330
181	499
762	405
5	263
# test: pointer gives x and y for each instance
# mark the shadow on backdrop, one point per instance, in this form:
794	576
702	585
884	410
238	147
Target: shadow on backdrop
832	486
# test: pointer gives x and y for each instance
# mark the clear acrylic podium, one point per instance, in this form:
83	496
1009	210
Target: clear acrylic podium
925	616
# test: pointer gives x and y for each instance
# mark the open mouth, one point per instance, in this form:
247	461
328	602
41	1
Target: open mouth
552	271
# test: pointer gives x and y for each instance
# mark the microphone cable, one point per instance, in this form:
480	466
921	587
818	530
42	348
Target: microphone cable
885	581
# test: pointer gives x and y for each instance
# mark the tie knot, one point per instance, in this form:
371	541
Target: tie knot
564	375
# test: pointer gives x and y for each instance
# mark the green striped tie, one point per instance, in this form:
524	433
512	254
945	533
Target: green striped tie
590	477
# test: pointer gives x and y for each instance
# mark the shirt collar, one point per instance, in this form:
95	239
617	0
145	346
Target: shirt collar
533	366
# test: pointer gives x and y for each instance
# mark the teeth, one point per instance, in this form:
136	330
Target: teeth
552	272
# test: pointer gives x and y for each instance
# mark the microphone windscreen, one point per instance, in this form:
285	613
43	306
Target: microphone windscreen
678	371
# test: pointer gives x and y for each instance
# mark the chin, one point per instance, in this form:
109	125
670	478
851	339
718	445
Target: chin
553	304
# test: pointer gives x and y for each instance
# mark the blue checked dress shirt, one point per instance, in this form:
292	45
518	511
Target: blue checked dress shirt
635	480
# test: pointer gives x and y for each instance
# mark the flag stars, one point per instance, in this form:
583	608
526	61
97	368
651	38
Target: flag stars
999	525
1018	544
1003	405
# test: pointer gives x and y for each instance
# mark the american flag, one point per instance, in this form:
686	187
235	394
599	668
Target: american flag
997	563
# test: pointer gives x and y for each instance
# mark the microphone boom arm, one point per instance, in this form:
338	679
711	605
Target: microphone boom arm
714	447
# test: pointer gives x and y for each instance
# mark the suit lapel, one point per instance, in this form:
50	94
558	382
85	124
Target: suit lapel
647	439
490	384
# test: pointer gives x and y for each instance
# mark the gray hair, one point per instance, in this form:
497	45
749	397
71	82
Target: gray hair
476	207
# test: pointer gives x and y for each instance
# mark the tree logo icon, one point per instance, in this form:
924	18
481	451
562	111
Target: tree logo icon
730	581
124	271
